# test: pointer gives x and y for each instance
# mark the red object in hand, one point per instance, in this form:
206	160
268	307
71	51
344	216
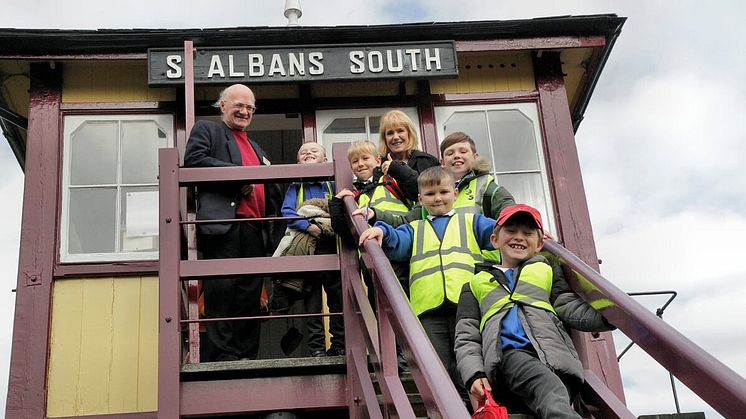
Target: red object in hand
490	409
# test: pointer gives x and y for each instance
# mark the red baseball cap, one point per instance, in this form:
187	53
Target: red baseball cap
512	210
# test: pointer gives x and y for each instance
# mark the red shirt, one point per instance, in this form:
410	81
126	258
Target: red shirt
251	206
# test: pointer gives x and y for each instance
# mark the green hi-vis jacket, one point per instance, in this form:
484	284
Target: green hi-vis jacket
439	268
471	199
533	289
382	199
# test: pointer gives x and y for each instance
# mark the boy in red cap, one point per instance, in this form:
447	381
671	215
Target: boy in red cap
510	327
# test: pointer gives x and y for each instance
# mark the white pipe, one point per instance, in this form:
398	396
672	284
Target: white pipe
293	12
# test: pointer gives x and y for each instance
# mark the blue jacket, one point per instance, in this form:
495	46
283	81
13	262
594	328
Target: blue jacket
310	190
397	242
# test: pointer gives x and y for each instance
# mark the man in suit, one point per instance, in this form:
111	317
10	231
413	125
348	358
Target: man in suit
221	144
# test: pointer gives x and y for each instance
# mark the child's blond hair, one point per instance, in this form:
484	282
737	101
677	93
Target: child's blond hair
393	119
361	147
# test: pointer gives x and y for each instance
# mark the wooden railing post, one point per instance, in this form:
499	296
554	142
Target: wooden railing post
169	286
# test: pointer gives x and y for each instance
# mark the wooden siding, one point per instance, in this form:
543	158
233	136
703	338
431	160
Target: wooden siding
103	346
110	81
14	85
355	89
489	72
575	68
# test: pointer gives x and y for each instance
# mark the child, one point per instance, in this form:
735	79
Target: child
371	188
442	250
509	331
299	195
477	190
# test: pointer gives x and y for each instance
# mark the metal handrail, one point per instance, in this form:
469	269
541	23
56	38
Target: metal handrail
719	386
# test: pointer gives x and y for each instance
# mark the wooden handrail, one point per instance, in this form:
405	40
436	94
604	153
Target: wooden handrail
719	386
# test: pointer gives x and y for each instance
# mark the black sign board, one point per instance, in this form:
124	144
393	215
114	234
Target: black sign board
305	63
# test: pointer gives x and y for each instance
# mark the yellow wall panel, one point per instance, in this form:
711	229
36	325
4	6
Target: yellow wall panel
103	347
111	81
489	72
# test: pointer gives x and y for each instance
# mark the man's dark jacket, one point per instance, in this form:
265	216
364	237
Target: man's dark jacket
211	144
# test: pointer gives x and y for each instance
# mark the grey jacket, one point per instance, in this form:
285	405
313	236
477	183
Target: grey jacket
478	354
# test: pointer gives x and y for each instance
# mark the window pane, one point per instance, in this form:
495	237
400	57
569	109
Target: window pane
343	130
346	126
139	219
513	137
474	125
140	143
374	123
526	188
93	153
92	220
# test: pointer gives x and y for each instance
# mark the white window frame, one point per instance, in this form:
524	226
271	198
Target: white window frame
72	123
325	117
530	111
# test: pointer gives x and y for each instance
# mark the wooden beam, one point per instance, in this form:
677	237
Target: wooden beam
28	359
323	391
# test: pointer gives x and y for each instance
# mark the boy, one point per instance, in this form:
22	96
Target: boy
509	330
477	190
371	187
442	250
297	194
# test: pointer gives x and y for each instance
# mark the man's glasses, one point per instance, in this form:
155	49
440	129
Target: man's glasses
239	105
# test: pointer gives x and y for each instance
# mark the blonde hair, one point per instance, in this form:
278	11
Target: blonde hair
433	176
361	147
392	119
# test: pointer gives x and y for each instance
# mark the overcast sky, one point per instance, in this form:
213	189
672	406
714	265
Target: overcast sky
662	149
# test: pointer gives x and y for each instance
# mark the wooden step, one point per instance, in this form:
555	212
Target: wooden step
265	368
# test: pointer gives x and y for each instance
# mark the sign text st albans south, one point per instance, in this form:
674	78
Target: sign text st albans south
306	63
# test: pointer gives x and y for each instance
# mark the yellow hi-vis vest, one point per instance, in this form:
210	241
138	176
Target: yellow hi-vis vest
300	199
382	199
533	287
470	200
439	268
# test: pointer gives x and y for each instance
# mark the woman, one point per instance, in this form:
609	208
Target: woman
399	147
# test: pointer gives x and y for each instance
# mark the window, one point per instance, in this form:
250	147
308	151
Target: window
110	186
508	135
348	125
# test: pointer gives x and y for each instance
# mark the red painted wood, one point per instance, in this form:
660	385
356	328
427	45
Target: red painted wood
719	386
308	113
188	85
263	394
427	119
484	98
133	107
258	265
571	207
28	358
169	287
77	270
555	42
277	172
359	383
57	57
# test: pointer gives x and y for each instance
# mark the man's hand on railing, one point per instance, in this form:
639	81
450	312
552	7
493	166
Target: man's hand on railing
373	233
